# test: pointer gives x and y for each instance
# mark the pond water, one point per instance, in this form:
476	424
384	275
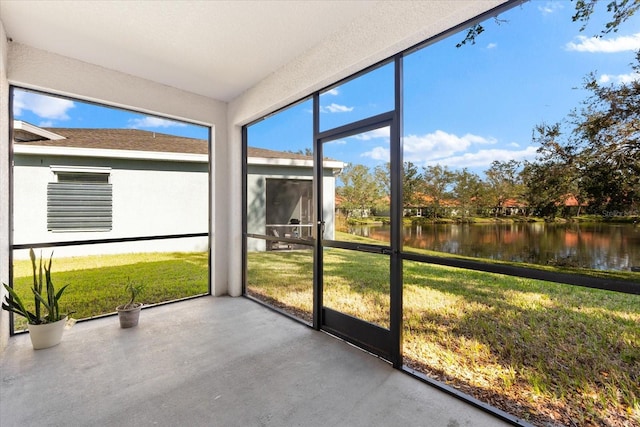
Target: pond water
599	246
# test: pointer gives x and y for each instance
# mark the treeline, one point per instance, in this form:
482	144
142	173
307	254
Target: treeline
538	189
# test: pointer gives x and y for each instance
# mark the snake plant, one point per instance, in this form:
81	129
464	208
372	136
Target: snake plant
44	295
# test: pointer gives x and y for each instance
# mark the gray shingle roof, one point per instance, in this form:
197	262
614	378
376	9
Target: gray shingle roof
138	140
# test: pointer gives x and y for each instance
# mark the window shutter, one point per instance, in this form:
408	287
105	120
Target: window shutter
79	206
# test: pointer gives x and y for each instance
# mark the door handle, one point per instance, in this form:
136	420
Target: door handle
374	250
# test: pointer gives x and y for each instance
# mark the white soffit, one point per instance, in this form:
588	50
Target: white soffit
217	49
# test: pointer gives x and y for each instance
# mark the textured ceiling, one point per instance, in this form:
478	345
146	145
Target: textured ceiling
214	48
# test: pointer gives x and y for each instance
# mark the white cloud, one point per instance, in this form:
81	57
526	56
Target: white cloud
378	153
337	142
374	134
597	44
550	7
620	78
470	150
153	122
331	92
439	144
335	108
46	124
484	158
45	107
492	45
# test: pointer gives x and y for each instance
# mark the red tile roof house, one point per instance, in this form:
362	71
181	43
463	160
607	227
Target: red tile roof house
84	184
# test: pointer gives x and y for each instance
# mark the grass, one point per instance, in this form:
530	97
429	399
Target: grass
550	353
96	283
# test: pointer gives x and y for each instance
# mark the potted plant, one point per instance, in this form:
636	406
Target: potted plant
45	326
129	313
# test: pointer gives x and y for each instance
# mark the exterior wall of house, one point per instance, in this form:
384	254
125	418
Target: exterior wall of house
149	198
257	197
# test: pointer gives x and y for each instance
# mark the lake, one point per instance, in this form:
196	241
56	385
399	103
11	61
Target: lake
600	246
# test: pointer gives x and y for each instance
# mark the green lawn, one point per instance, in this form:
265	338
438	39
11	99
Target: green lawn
96	283
546	352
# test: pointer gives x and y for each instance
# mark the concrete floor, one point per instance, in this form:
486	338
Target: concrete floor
214	362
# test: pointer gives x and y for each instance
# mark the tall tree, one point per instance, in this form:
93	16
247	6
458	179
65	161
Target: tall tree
600	156
437	182
545	188
468	191
609	122
359	190
504	183
382	174
556	176
609	125
410	184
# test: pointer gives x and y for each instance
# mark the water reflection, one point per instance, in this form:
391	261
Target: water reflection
598	246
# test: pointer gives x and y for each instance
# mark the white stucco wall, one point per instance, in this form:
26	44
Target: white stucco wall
149	198
4	184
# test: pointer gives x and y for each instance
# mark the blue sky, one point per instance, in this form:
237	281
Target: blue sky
464	107
48	111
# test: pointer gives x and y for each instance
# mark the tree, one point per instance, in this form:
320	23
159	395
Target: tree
436	183
545	187
382	174
410	184
360	190
504	183
609	122
620	11
600	157
467	190
556	175
305	152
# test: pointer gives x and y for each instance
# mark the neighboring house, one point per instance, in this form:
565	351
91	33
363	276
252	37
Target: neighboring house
89	184
280	195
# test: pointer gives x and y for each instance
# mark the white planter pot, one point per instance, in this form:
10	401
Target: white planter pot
129	316
47	334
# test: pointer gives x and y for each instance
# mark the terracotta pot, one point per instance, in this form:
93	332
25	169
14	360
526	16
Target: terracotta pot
47	334
129	316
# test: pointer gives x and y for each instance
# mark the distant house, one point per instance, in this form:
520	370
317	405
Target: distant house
572	206
280	195
87	184
425	206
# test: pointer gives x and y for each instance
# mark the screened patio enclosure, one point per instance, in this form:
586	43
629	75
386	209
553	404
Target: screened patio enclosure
279	228
289	208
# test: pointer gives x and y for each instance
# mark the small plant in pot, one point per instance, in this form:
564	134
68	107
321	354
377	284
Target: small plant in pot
46	322
129	313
